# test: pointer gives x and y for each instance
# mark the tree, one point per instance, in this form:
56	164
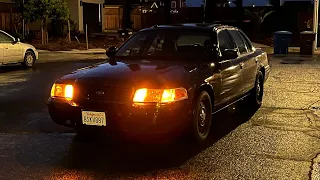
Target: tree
275	3
210	5
239	7
258	17
43	10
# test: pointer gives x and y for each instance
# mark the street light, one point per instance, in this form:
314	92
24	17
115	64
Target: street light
315	21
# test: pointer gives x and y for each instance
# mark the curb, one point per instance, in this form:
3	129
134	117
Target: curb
72	52
95	58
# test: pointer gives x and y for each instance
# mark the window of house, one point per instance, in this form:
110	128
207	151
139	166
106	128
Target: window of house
173	4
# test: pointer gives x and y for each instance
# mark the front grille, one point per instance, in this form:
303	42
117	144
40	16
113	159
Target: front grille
103	94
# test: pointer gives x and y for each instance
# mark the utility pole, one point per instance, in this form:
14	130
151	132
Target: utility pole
315	21
204	11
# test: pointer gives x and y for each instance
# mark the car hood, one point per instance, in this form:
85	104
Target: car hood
138	73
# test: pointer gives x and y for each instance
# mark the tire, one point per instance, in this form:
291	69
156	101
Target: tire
29	59
201	117
256	94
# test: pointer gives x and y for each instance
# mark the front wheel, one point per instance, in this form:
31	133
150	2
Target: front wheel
202	117
256	94
29	59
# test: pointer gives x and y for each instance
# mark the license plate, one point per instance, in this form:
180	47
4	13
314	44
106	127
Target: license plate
94	118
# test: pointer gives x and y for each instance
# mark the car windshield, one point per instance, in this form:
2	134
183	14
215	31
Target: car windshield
161	43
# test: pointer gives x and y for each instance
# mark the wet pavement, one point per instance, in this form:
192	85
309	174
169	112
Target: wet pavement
281	140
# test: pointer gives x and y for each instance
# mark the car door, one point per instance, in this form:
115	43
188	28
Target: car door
230	70
244	55
250	64
12	51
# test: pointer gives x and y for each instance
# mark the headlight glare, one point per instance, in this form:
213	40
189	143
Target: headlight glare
62	91
159	95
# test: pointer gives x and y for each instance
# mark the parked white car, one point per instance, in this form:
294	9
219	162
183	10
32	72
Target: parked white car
13	51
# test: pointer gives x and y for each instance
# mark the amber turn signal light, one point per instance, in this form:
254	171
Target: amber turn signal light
145	95
62	91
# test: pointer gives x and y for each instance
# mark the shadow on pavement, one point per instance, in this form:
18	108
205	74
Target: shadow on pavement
13	67
115	157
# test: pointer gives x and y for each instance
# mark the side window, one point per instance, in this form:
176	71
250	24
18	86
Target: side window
155	48
224	40
133	46
5	38
239	42
246	41
193	44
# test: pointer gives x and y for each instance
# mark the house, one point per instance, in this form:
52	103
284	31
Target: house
82	12
175	4
143	13
7	15
87	13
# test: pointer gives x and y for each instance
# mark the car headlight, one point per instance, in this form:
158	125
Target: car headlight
62	91
159	95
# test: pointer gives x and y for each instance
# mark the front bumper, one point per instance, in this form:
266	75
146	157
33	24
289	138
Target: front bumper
124	118
36	54
267	72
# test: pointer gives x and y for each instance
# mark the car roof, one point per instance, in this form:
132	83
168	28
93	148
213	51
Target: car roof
190	26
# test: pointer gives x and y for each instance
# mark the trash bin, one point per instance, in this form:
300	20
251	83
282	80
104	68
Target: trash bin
307	45
281	42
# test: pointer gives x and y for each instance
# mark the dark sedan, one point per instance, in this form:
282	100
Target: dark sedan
163	80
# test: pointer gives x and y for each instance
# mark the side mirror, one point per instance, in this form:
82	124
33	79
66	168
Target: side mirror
16	40
111	51
230	54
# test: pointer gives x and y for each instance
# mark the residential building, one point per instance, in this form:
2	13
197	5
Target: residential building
87	13
6	15
82	12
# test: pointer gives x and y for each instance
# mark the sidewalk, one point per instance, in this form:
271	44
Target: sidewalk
269	49
77	51
74	55
293	57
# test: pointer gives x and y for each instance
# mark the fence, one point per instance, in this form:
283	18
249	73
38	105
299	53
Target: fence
112	18
8	17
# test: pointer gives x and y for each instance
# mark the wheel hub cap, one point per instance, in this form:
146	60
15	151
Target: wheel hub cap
202	115
29	59
258	88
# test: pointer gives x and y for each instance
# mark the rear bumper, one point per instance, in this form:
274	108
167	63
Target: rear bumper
125	119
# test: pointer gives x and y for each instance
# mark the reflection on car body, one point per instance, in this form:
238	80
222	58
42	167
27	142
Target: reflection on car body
167	79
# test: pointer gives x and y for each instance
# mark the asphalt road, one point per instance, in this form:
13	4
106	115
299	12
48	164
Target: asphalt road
278	141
